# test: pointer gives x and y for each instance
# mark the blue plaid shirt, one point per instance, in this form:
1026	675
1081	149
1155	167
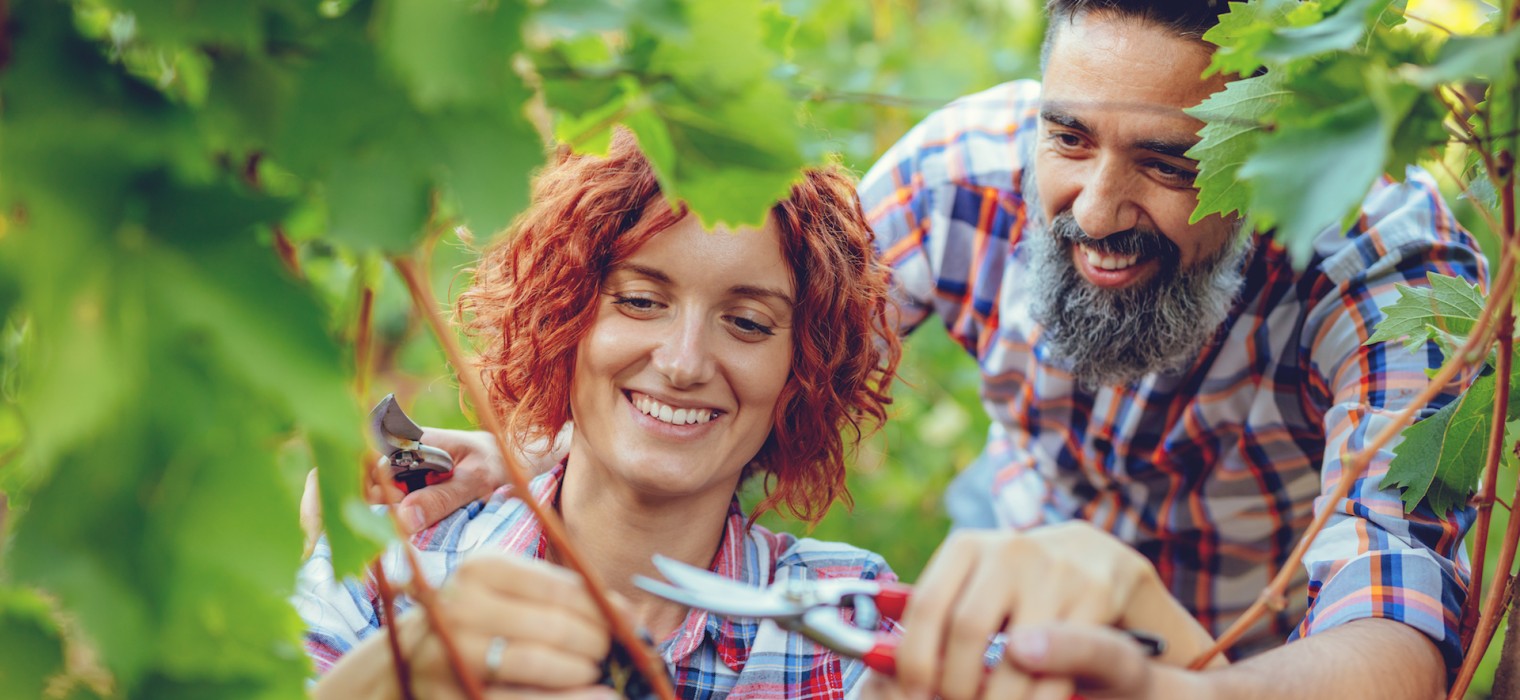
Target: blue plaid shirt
708	656
1215	471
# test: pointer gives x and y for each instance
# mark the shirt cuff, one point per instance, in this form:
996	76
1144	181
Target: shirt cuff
1413	587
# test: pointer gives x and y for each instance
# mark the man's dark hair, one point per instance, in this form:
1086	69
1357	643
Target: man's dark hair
1188	19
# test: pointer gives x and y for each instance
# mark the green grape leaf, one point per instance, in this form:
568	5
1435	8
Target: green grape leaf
1242	33
32	641
1450	306
1234	122
1345	148
377	199
454	52
1464	57
487	160
1337	32
1441	457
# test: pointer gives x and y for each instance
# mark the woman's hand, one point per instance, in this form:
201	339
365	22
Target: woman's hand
981	583
552	638
478	470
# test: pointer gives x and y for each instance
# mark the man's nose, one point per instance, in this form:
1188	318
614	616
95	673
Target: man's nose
1106	205
684	355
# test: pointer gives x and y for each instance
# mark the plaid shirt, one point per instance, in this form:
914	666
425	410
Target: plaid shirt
708	657
1212	472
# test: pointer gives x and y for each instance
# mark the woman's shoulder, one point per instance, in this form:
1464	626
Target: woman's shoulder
484	519
805	557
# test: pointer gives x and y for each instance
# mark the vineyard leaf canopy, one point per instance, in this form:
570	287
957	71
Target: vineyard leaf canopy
1232	127
1448	308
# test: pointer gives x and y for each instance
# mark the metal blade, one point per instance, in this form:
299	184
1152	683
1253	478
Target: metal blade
703	589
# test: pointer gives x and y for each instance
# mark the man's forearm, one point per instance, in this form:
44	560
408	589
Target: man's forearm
1367	658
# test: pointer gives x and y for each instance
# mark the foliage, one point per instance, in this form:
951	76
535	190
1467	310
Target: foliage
194	197
1342	93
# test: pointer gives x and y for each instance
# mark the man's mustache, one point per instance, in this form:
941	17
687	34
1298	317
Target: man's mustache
1142	242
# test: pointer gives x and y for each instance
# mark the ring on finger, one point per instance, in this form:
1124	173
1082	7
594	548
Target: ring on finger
494	652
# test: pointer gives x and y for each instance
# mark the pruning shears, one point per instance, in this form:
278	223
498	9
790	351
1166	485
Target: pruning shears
811	608
412	464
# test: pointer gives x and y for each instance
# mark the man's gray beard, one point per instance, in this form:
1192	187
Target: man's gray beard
1116	336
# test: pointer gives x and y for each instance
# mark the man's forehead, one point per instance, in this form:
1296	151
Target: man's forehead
1103	63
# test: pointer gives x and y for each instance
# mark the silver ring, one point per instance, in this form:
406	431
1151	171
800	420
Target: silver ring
494	653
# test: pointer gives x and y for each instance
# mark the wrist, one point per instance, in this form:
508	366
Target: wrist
1172	683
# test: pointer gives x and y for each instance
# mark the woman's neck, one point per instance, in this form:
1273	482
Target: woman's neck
618	533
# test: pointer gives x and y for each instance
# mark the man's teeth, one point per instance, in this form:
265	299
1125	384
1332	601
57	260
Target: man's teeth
675	416
1108	262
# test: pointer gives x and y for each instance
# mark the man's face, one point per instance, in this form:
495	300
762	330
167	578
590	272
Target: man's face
1125	285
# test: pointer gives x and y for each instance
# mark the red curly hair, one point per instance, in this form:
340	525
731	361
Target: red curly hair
534	297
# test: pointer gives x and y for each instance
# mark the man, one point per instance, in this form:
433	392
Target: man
1178	386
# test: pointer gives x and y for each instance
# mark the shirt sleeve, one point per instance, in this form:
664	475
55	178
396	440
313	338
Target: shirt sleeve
338	613
944	202
1373	560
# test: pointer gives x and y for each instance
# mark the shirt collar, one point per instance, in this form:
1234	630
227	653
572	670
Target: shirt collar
737	559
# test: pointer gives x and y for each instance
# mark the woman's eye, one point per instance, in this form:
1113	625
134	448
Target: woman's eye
635	304
752	327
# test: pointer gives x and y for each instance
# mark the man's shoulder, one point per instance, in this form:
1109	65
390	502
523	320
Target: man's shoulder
1400	222
975	140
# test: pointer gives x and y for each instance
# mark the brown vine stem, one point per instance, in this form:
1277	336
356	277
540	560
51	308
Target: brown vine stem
363	339
1351	471
1488	620
648	664
1491	466
392	632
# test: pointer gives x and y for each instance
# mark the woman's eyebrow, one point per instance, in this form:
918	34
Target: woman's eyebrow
642	270
758	292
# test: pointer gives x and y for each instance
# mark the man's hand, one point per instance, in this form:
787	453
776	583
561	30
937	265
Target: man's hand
1100	662
981	583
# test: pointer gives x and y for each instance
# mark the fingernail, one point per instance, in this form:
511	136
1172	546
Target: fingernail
412	516
1030	646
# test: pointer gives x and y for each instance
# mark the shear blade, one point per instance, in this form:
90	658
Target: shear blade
391	425
703	589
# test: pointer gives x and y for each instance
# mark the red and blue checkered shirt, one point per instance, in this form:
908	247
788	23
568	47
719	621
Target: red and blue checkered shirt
708	656
1212	472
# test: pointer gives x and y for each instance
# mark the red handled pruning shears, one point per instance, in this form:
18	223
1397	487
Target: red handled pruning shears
810	608
412	464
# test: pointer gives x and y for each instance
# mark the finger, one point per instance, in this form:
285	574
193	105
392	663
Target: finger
531	581
928	612
1095	657
531	665
427	506
1006	580
593	692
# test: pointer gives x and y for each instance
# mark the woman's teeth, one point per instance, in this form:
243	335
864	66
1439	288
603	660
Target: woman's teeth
1108	262
674	416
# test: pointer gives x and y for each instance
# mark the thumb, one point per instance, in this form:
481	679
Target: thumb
1098	658
425	507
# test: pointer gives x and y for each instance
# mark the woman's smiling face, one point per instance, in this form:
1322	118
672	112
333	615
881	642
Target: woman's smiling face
676	382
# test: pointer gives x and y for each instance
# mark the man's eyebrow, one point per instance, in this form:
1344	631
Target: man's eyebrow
1050	114
1167	147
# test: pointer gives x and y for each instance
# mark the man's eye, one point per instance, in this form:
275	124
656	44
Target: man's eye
1065	140
1181	176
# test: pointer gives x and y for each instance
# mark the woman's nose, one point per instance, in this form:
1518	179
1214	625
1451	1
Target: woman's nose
685	354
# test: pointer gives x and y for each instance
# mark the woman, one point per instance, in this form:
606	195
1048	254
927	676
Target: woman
688	361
